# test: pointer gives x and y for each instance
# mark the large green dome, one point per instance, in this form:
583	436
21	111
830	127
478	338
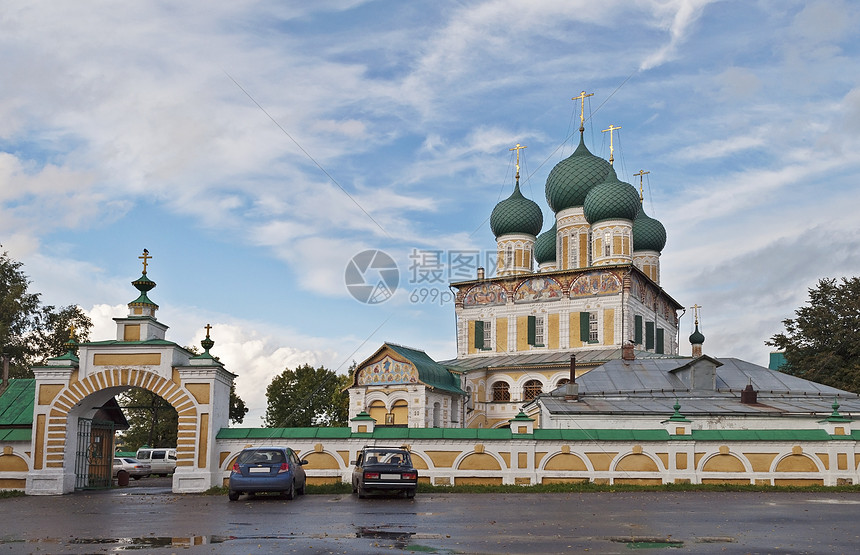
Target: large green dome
648	233
611	200
571	179
545	245
516	214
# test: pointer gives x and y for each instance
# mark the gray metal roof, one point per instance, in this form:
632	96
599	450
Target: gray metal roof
651	387
588	357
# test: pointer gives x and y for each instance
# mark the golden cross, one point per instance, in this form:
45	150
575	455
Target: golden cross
611	148
207	327
582	98
640	174
518	148
696	308
71	331
145	257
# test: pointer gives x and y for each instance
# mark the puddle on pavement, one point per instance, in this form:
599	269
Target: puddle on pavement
399	538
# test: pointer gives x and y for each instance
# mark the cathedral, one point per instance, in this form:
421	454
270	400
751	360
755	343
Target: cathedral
560	302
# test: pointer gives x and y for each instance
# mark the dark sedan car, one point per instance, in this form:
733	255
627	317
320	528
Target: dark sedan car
267	469
384	469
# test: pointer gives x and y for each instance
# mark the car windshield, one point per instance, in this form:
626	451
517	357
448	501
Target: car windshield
387	456
255	456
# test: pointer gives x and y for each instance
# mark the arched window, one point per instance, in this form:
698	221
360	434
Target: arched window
501	391
562	382
437	415
532	389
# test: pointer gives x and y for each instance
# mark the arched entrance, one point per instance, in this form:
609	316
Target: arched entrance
72	388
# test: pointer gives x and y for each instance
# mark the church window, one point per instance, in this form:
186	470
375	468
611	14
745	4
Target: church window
536	331
592	327
532	389
573	261
501	391
607	244
637	329
590	255
484	335
561	382
509	257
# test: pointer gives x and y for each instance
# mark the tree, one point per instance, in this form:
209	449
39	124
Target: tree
31	333
238	410
307	397
152	420
822	343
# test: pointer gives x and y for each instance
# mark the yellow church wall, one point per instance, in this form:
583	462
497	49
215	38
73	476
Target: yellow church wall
617	245
502	334
471	340
506	456
418	462
565	263
825	460
479	461
638	481
601	461
552	331
47	393
583	250
636	463
200	391
574	338
760	462
13	463
796	463
477	481
723	463
320	461
609	326
443	459
732	481
625	246
565	461
664	458
798	482
522	333
842	461
680	461
130	359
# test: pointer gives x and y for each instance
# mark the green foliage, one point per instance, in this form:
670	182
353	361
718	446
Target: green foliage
29	332
238	410
152	420
307	397
822	343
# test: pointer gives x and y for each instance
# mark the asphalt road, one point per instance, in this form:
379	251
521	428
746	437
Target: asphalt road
147	517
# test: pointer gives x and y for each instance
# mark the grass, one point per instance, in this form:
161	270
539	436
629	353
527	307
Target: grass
6	494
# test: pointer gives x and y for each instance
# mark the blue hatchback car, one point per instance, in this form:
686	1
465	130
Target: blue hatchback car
267	469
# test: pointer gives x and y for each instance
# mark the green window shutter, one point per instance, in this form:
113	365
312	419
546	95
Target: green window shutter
584	326
532	326
659	348
649	336
479	334
637	329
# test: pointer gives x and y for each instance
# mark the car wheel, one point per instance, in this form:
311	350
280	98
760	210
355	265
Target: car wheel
233	495
301	490
291	493
361	493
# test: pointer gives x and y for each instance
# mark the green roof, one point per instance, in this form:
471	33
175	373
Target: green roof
16	403
516	214
571	179
430	372
648	234
759	435
611	200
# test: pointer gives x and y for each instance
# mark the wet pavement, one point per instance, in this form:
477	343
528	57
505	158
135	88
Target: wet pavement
147	517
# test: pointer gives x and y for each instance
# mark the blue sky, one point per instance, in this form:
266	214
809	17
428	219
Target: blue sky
255	147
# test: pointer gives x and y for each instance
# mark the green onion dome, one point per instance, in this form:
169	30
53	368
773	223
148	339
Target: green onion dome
545	246
648	233
571	179
611	200
696	338
516	214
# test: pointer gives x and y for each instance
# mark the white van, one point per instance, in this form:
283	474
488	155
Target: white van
161	459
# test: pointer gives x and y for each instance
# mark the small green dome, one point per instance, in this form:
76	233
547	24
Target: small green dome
545	245
571	179
696	338
516	214
611	200
648	233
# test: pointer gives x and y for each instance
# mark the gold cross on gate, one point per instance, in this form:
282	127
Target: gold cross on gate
582	96
145	257
640	174
207	327
71	331
518	148
611	148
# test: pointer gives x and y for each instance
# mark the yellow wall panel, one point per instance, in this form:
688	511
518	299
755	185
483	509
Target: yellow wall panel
552	331
600	461
131	332
575	341
471	338
522	333
609	326
132	359
501	334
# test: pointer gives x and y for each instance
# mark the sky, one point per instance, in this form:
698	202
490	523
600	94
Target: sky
254	148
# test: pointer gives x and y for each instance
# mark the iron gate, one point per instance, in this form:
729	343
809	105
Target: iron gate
94	456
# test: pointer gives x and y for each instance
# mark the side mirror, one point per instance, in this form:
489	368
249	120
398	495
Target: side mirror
303	462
